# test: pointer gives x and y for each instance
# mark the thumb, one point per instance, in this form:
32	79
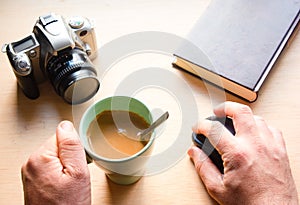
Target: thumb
208	172
70	151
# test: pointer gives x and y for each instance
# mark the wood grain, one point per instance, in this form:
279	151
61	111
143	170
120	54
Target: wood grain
25	124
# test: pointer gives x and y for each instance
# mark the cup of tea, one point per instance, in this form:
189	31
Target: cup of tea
109	130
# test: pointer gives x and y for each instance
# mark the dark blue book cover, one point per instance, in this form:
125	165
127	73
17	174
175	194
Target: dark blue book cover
239	42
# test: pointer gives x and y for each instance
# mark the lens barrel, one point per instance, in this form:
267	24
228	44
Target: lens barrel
73	76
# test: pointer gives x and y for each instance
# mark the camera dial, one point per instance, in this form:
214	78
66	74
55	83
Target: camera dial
76	22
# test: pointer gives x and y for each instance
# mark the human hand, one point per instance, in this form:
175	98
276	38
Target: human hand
57	172
256	165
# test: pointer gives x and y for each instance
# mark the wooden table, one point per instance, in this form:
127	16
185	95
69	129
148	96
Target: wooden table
25	124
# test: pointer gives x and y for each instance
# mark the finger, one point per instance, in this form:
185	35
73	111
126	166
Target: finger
208	172
278	141
217	134
45	155
265	133
70	150
268	134
242	116
277	136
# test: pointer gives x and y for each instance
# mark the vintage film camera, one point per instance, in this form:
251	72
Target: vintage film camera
59	50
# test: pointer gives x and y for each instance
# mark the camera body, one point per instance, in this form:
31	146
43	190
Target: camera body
59	50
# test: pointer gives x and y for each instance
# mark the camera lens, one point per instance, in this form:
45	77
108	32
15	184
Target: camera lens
73	76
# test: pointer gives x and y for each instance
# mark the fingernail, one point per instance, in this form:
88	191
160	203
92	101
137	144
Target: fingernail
191	152
67	126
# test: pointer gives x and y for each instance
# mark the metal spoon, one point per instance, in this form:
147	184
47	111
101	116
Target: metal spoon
145	134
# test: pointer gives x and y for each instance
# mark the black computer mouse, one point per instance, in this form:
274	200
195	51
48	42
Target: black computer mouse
203	143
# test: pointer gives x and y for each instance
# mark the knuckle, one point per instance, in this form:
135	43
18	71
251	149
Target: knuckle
30	165
259	118
215	130
78	173
245	109
29	169
212	189
70	146
279	154
70	142
234	160
198	167
277	132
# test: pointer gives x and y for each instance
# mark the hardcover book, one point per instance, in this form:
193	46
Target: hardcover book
239	42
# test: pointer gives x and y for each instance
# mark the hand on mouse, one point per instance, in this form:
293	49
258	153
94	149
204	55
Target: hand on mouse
57	172
256	165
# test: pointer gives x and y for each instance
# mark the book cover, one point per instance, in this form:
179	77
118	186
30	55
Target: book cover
238	42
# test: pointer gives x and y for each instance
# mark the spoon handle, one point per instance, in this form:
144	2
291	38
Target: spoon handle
144	135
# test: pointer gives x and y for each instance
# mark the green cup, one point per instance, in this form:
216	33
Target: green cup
125	170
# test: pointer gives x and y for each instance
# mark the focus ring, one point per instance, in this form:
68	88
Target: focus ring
69	69
63	72
59	66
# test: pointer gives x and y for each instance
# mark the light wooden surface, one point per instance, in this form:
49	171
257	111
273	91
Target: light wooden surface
26	124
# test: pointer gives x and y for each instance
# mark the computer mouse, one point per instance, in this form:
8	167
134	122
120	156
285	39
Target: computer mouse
203	143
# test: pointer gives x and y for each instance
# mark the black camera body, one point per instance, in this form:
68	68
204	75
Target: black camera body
58	50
